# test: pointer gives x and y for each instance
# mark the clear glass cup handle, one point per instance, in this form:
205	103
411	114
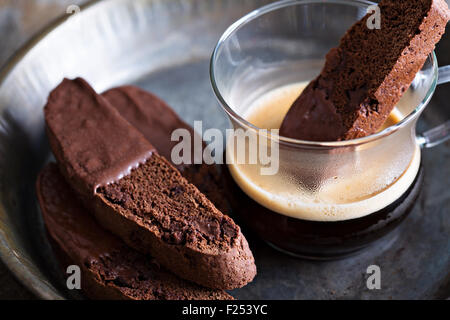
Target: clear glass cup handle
441	133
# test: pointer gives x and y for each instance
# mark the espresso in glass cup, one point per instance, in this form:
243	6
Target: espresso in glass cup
327	199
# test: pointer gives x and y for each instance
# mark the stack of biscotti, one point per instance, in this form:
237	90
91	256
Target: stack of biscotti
138	195
110	269
366	75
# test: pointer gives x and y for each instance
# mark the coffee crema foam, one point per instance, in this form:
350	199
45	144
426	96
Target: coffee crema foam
336	200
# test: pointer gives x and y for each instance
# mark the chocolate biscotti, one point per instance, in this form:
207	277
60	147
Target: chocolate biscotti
110	270
156	121
366	75
139	195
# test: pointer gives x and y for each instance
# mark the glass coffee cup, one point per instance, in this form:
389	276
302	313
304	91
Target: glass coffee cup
327	199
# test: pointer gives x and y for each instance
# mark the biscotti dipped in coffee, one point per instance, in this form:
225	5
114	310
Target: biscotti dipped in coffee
366	75
140	196
110	269
157	121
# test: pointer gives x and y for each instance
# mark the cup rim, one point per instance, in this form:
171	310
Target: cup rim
297	142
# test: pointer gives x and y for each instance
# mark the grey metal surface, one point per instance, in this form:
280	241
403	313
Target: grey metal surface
19	21
164	46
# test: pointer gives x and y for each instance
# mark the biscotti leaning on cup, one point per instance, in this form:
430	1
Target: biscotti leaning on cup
110	269
366	75
138	195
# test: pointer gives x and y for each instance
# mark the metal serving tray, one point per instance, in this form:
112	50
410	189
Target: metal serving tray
164	46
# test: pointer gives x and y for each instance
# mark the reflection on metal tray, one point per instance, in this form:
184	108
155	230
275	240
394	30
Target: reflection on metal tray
164	46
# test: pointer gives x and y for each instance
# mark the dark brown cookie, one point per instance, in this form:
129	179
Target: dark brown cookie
365	77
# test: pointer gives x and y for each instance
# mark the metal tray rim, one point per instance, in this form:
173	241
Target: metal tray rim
20	271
